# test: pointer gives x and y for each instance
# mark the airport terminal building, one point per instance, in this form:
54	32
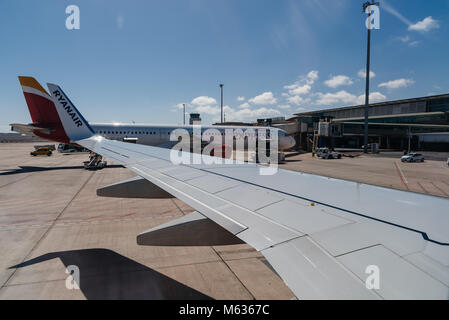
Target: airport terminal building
421	122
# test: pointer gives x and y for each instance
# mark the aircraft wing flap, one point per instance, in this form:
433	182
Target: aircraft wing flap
311	273
398	278
430	266
351	237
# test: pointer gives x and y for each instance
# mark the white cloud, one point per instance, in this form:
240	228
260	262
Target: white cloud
338	81
312	76
211	110
264	98
373	97
409	41
297	89
362	74
244	105
334	98
240	99
302	86
346	98
205	105
425	25
395	84
203	101
296	100
284	106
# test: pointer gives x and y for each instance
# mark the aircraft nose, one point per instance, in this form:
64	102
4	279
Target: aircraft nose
291	142
287	142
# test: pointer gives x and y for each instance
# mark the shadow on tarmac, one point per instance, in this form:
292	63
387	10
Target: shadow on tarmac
105	274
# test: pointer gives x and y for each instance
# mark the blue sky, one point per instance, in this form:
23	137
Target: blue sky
138	60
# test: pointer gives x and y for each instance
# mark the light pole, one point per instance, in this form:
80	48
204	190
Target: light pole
221	89
184	113
409	138
368	58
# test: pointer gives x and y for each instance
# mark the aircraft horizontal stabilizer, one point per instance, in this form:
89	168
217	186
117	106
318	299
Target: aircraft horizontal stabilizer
28	129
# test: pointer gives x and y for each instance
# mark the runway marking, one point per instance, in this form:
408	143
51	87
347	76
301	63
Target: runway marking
127	215
18	180
425	190
441	190
178	207
233	273
91	218
401	175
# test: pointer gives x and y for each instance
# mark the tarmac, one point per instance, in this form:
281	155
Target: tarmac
385	169
51	220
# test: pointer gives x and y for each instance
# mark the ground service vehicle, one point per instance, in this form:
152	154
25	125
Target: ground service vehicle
325	153
42	151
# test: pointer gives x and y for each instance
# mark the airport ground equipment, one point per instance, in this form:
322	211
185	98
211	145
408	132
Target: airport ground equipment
49	146
42	151
325	153
70	148
95	162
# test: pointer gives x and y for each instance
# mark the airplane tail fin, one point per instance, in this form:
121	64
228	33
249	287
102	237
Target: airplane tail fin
40	104
42	110
73	122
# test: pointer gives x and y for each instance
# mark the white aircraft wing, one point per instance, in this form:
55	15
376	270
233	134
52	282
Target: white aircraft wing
326	238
